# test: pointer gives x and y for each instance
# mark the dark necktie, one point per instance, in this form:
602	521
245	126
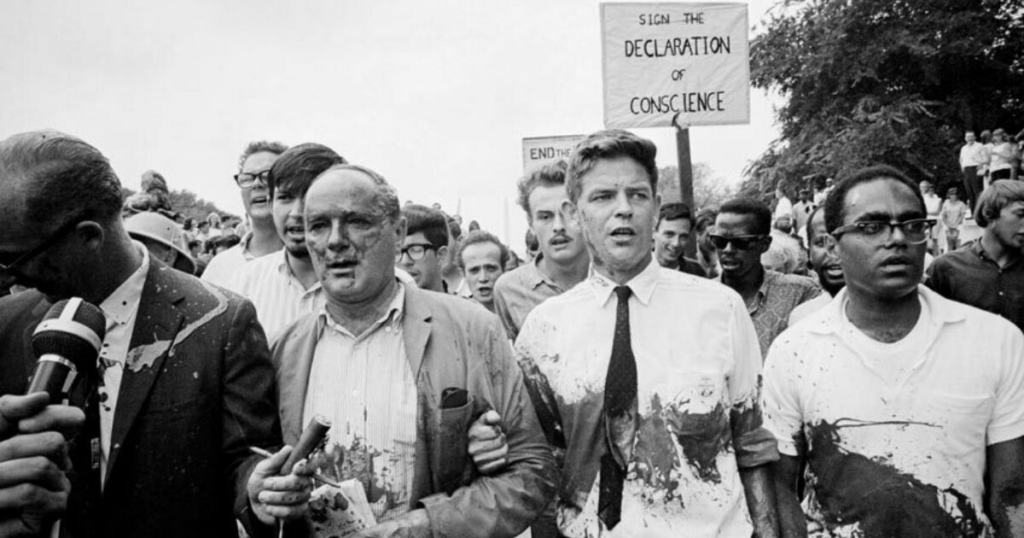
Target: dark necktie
620	388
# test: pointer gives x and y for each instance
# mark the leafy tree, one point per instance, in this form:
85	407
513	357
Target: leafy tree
708	189
885	81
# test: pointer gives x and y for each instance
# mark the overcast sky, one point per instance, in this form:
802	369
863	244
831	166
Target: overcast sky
436	96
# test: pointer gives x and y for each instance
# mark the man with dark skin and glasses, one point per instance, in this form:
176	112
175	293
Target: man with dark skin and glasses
903	410
184	379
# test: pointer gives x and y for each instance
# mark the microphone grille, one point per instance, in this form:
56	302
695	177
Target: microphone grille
73	329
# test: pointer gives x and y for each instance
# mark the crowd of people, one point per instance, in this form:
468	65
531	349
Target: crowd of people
838	366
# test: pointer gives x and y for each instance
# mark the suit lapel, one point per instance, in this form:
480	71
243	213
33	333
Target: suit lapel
416	328
294	380
156	326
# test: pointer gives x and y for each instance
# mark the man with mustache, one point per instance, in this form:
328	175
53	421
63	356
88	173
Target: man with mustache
284	286
741	236
906	408
989	273
561	261
482	258
644	378
402	373
823	263
253	169
671	234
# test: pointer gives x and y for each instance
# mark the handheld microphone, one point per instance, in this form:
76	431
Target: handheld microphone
67	343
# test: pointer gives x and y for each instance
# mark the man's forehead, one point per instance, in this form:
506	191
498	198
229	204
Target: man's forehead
881	196
676	225
734	220
551	194
482	252
615	171
261	160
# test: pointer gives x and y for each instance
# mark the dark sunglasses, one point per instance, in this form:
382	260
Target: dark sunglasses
6	268
739	242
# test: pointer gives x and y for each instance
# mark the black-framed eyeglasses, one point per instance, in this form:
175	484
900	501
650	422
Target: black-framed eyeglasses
915	230
415	252
739	242
6	268
246	180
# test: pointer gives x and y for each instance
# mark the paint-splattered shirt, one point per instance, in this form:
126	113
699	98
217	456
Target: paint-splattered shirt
699	422
778	295
121	308
365	386
894	435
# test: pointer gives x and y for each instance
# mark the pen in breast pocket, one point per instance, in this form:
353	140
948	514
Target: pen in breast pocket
266	454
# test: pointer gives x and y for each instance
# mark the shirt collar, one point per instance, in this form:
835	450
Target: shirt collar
642	285
536	277
392	316
940	311
123	303
244	245
286	271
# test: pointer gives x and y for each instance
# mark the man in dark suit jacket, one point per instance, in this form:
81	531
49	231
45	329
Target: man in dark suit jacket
196	384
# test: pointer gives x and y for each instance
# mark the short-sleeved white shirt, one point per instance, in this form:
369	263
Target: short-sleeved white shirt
904	436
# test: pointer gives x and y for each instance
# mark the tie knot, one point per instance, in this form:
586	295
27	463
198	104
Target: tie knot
623	292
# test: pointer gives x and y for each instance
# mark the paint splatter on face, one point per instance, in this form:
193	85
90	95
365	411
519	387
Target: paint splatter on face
852	489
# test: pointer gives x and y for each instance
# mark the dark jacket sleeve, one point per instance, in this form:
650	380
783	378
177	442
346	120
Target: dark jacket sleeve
249	406
505	504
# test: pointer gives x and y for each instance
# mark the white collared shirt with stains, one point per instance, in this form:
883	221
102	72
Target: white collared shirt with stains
698	365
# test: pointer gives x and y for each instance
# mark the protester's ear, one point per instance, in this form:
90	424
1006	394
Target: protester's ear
91	234
570	213
442	253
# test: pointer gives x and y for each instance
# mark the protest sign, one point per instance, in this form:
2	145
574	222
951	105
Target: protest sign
541	150
684	61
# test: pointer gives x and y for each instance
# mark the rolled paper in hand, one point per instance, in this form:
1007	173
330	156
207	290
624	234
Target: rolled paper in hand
311	438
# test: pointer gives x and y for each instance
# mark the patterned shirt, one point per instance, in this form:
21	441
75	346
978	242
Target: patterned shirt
778	295
699	420
365	386
518	292
894	435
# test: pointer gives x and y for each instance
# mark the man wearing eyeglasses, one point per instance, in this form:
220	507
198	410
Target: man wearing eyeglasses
283	286
402	373
905	408
425	247
253	169
741	236
185	382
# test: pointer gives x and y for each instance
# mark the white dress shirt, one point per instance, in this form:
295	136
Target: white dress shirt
121	308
